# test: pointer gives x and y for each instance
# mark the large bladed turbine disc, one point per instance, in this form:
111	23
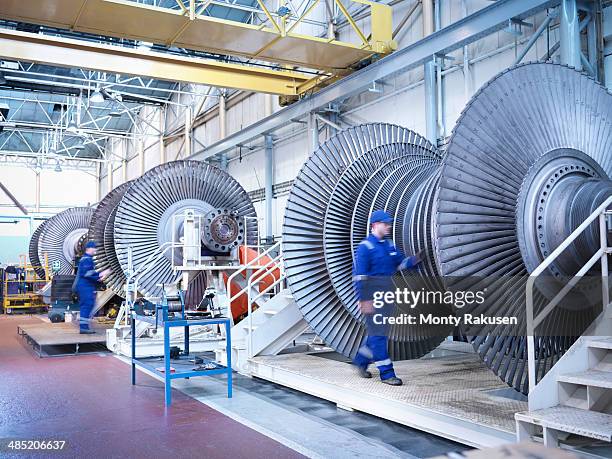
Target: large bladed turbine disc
116	279
144	219
518	127
33	251
105	257
327	216
59	238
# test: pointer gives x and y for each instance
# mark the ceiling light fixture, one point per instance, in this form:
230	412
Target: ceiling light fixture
72	126
96	97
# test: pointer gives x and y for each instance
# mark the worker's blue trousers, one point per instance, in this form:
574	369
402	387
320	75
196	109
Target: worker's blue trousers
374	350
87	300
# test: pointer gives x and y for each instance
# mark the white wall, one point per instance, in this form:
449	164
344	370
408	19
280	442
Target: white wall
127	150
58	191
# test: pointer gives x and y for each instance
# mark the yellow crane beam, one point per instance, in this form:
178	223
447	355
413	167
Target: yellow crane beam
273	41
64	52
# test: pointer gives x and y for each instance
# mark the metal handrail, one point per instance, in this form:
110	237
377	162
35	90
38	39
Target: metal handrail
269	287
250	265
264	271
257	248
275	263
144	267
601	254
137	274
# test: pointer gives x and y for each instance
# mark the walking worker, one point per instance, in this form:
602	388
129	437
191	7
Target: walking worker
86	286
376	261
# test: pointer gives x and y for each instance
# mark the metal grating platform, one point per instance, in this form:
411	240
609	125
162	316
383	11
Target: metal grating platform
49	339
455	396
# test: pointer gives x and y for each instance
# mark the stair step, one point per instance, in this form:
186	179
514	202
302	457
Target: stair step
601	343
589	424
604	364
246	327
270	312
593	378
579	399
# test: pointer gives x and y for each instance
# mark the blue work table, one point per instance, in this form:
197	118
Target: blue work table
183	368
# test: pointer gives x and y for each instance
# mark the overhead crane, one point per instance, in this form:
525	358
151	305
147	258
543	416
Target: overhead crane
275	41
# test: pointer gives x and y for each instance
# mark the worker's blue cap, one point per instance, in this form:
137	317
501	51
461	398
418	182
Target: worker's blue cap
380	216
90	245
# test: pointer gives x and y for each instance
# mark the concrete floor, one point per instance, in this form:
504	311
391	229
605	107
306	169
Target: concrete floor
88	400
316	427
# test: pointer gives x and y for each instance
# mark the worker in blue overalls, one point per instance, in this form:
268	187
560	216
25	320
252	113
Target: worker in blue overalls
86	286
376	261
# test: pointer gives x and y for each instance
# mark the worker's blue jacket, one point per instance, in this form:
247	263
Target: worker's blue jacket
376	260
87	276
86	285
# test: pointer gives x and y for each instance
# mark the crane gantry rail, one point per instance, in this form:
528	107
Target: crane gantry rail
275	40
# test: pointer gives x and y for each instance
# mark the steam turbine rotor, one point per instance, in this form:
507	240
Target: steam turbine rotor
150	215
60	236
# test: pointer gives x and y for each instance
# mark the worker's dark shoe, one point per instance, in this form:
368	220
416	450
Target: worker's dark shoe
363	372
87	332
393	381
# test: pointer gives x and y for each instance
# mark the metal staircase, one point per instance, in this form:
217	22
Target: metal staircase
275	322
575	396
584	398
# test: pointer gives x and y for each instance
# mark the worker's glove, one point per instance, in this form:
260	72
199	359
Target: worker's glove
419	256
411	262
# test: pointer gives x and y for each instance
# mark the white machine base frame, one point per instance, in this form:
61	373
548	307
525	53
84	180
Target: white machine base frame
455	396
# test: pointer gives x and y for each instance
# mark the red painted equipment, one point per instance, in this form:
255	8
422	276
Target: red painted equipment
239	306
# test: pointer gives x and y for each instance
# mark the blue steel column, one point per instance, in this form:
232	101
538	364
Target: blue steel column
167	380
569	34
269	179
431	103
228	351
313	133
222	128
592	45
133	333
